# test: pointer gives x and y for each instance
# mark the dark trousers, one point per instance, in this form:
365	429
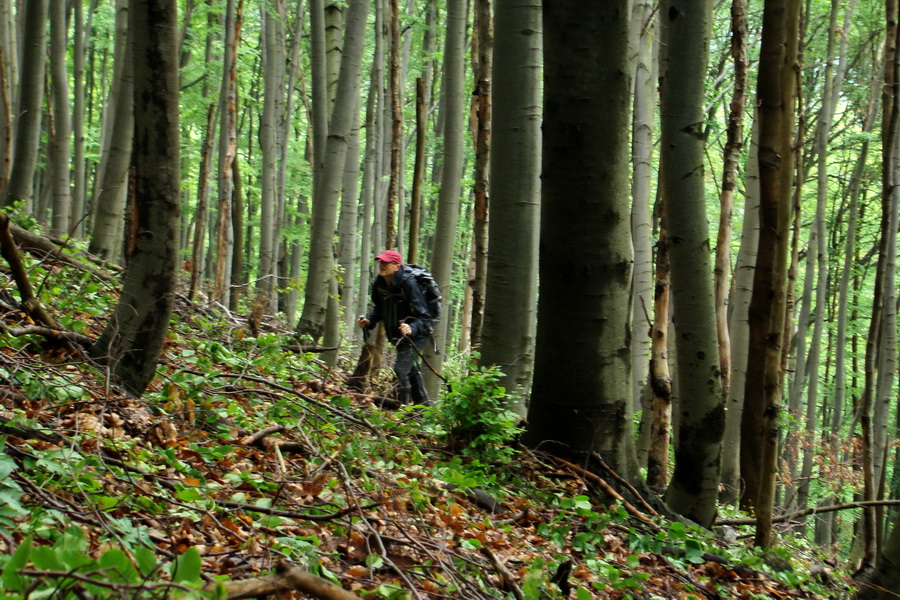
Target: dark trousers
410	383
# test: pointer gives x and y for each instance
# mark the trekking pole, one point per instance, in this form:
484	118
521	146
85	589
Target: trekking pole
365	331
425	360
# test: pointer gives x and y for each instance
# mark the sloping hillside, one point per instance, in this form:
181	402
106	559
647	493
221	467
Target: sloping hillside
249	469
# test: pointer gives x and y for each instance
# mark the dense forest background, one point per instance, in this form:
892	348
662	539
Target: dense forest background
670	226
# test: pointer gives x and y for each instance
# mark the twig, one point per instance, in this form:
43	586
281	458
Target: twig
291	514
504	573
85	578
813	511
256	437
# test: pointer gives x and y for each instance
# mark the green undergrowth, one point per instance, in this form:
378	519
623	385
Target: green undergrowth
172	496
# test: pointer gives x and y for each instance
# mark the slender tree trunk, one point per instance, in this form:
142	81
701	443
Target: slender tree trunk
133	338
415	203
224	231
643	31
109	195
8	87
78	153
660	380
60	149
739	327
732	154
324	219
765	374
28	108
510	306
701	424
202	202
445	236
273	75
396	95
484	28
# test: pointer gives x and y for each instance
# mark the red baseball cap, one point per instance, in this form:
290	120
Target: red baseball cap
391	256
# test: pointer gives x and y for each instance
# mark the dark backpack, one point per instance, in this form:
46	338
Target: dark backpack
429	288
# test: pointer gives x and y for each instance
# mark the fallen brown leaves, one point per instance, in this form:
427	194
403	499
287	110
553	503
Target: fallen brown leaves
269	505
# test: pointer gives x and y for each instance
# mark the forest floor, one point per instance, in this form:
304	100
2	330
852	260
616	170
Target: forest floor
249	469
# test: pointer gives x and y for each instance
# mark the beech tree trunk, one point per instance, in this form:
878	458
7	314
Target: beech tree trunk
60	150
324	218
765	372
28	107
510	305
581	397
693	491
133	338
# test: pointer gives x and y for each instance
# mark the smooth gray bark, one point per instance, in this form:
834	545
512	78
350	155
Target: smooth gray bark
29	108
693	491
581	396
643	32
324	217
79	190
739	325
510	309
109	195
445	236
60	149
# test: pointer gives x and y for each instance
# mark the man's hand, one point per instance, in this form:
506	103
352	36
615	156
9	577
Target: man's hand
405	329
362	322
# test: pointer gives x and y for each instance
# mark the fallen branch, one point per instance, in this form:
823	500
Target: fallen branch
291	514
287	390
41	247
52	334
256	437
813	511
624	483
30	302
507	577
285	579
593	477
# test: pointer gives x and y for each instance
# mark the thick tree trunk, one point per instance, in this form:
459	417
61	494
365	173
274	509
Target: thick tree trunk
510	305
693	491
581	398
133	338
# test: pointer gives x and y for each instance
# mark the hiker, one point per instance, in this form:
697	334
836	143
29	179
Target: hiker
398	302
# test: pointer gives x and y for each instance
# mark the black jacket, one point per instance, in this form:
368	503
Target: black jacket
400	302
